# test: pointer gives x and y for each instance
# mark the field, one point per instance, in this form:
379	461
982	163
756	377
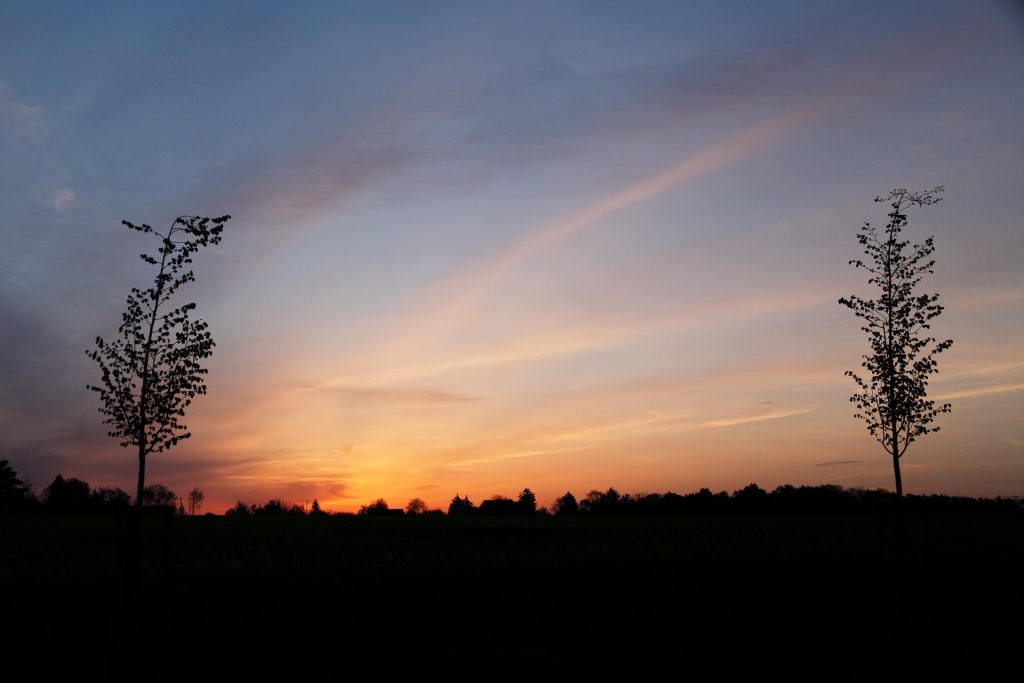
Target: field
450	582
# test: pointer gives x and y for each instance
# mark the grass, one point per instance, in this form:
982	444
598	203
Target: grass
433	588
82	549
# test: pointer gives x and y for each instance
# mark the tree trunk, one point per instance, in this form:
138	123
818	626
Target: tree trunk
896	469
898	517
895	446
135	531
142	477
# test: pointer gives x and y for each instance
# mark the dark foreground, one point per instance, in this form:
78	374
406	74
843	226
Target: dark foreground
427	592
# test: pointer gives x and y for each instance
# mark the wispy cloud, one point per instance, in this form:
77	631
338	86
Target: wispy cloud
552	441
549	442
11	107
733	421
63	199
474	284
979	391
532	348
397	395
286	187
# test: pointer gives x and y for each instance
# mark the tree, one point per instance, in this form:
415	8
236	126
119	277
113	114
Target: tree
377	507
241	508
601	503
67	496
893	396
316	509
158	495
461	506
110	499
195	500
751	499
152	372
416	506
527	501
274	506
15	495
567	505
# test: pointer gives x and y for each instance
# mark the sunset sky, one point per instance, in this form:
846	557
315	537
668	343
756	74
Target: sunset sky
479	246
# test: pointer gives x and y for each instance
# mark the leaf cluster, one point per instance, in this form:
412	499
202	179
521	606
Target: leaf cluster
893	392
152	371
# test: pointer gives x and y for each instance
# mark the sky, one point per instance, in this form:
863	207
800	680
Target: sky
482	246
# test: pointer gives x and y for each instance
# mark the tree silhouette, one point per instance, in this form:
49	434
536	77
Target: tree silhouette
67	496
195	500
416	506
274	506
893	397
159	495
567	505
461	506
15	495
110	499
241	508
377	507
151	373
601	503
527	501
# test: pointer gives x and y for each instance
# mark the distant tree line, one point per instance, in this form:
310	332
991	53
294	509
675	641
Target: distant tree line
274	506
788	500
823	500
74	496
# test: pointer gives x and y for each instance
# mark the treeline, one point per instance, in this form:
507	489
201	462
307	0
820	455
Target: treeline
788	500
275	506
72	496
825	500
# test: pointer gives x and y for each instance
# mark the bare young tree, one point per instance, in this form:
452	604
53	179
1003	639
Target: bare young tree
893	396
195	500
152	371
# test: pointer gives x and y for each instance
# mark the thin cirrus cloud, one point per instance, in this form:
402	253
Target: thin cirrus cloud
584	338
524	350
979	391
473	285
318	170
63	200
9	106
542	442
747	419
397	395
462	293
284	189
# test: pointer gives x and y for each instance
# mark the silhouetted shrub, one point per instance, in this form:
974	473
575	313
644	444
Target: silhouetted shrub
378	507
566	505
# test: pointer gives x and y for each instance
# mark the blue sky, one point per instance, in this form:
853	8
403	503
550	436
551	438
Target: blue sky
481	246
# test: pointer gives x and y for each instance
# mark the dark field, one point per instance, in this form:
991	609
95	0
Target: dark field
447	583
